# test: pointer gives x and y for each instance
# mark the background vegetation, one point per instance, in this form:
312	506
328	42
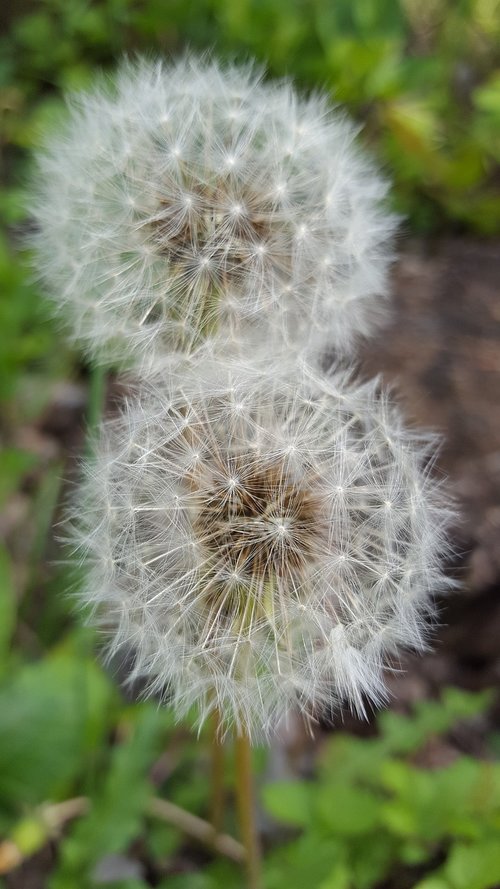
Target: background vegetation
80	764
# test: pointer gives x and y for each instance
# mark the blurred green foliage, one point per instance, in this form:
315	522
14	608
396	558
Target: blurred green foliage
372	813
423	75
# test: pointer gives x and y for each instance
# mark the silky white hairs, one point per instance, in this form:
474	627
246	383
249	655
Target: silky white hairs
191	198
260	538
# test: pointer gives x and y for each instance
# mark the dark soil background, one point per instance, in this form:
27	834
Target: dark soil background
442	353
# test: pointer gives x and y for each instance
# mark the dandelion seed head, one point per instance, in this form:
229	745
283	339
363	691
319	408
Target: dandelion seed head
248	573
168	191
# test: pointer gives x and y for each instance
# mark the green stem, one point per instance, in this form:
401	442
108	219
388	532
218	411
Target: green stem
246	810
197	828
95	406
218	796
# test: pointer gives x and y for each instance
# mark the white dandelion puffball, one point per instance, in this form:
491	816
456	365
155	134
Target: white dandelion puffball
261	543
189	198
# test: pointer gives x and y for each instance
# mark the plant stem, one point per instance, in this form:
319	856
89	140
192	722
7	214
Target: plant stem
95	406
218	796
197	828
246	809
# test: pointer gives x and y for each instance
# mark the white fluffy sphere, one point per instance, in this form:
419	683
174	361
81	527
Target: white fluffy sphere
261	542
190	198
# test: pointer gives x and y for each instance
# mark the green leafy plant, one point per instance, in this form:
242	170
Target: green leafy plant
372	812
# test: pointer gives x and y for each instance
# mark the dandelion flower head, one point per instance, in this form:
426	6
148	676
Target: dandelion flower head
188	198
261	542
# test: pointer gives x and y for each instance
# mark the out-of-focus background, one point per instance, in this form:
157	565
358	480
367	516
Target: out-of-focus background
410	799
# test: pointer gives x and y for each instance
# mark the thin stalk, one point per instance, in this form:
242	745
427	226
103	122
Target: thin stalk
197	828
95	406
246	810
217	768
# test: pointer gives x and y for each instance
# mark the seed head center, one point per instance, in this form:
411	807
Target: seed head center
260	522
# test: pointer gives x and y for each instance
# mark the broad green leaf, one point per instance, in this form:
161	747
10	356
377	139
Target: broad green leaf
347	810
474	867
353	759
303	863
452	801
52	712
289	801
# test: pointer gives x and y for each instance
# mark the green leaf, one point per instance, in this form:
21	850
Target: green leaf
347	810
474	867
353	759
51	712
459	704
460	800
305	862
340	878
487	96
403	734
289	801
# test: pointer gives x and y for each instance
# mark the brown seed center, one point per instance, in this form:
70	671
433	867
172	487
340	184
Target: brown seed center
258	521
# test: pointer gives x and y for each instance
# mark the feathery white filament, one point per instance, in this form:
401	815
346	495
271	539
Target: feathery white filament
190	198
261	541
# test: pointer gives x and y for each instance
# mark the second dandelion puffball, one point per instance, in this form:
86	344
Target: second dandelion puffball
190	199
260	541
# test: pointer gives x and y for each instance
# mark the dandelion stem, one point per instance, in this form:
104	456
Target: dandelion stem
246	809
95	407
218	796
